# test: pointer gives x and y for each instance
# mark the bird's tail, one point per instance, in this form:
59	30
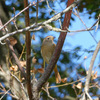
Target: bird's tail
57	75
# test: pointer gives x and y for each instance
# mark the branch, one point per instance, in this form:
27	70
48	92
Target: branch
28	52
49	27
22	86
59	45
77	14
16	58
33	4
90	69
54	18
13	52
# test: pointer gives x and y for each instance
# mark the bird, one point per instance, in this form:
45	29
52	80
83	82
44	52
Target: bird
47	49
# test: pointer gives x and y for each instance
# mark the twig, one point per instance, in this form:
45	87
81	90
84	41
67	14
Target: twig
22	52
77	14
20	83
66	83
54	18
86	89
48	94
97	24
37	11
49	27
59	45
16	58
13	53
14	21
33	4
4	94
7	92
45	88
54	12
91	66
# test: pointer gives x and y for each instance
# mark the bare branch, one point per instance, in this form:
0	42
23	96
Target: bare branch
54	18
4	94
91	66
33	4
77	14
16	58
37	11
59	45
22	86
49	27
86	89
13	53
28	52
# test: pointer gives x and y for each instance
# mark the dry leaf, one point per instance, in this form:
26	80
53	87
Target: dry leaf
34	70
40	70
95	75
73	86
64	80
33	37
85	57
86	72
92	72
23	63
12	40
23	78
34	60
79	85
14	68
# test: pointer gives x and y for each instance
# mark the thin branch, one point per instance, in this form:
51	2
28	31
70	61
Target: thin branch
77	14
48	94
28	52
22	86
59	45
86	89
14	21
13	53
45	88
37	11
66	83
91	66
53	11
54	18
30	5
49	27
5	94
16	58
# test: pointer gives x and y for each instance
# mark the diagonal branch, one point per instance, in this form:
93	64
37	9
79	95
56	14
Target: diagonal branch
13	52
33	4
58	48
16	58
90	70
54	18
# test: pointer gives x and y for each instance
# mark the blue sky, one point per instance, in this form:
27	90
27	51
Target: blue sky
82	39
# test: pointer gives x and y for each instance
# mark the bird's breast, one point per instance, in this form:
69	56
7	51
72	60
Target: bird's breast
47	52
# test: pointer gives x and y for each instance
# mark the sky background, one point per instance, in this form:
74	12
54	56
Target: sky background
82	39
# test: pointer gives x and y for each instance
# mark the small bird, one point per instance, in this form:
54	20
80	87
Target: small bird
47	49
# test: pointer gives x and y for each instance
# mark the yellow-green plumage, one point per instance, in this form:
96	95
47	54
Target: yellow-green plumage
47	50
